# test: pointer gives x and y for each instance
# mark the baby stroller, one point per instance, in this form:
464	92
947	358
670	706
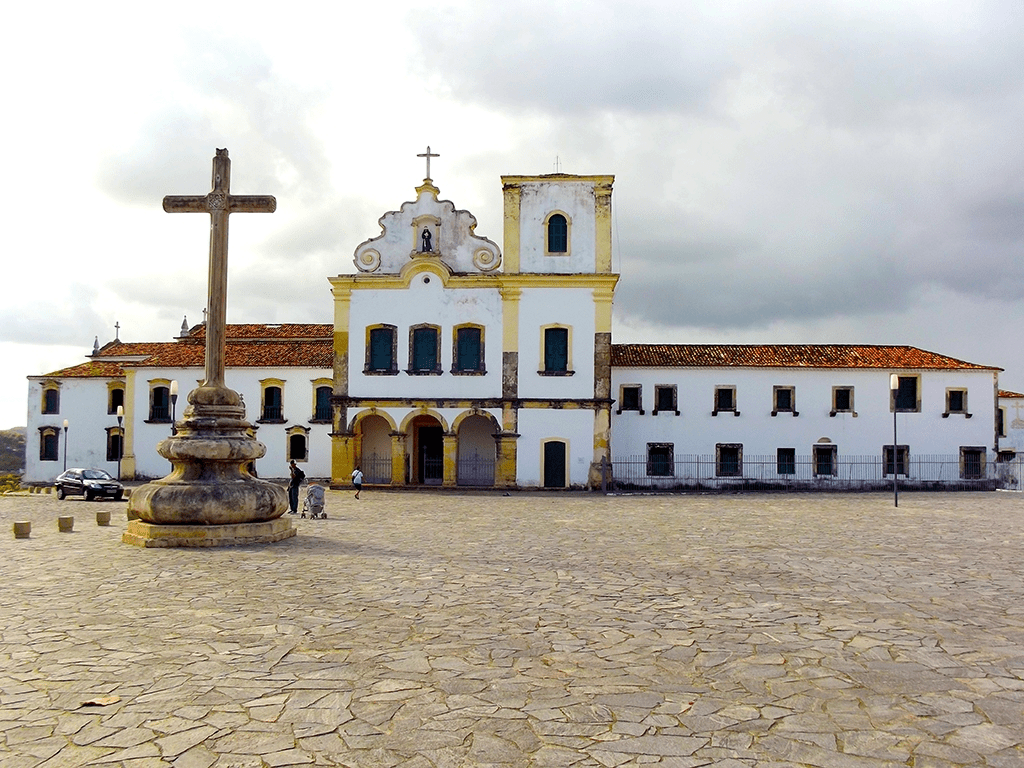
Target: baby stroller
313	504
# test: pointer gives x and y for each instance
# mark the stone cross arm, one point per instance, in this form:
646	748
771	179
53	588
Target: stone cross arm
219	201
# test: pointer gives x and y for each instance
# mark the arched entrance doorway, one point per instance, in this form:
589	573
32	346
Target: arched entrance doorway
375	449
426	451
477	451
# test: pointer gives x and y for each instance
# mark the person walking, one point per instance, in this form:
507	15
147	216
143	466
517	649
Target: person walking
357	480
297	476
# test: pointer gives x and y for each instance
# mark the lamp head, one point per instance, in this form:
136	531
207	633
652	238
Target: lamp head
894	382
65	425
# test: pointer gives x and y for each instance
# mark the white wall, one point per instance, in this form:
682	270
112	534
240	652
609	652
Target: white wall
83	402
297	401
1013	424
574	199
536	425
539	307
425	302
696	431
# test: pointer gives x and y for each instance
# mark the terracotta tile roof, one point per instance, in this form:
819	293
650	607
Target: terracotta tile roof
90	369
270	331
1008	393
782	356
312	353
132	349
305	345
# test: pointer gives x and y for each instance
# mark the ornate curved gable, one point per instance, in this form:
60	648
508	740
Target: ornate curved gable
427	229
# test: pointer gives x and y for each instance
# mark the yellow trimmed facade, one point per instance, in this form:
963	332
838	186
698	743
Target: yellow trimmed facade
463	365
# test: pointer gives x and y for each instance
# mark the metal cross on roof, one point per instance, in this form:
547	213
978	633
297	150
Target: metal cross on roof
427	155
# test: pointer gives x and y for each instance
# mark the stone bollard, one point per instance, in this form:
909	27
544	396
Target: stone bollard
65	523
103	517
132	514
22	529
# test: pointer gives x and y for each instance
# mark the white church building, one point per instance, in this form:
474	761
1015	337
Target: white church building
455	362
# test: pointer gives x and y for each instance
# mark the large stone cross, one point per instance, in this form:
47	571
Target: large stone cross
219	203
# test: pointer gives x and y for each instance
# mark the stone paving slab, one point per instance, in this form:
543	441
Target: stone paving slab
562	630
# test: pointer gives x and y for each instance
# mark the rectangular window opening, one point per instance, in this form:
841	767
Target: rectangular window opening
842	400
630	399
907	395
725	399
660	460
468	346
972	463
785	461
556	349
381	358
424	350
665	399
902	460
825	460
729	460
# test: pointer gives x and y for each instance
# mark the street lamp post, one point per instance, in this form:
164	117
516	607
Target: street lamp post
120	439
894	386
65	445
174	402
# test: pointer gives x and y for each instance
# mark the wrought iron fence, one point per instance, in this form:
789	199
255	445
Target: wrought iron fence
475	471
824	472
433	470
376	469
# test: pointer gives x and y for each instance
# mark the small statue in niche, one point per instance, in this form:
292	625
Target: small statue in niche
426	238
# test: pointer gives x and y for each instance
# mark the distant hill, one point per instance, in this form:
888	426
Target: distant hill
12	450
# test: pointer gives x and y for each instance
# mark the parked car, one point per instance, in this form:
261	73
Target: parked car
91	483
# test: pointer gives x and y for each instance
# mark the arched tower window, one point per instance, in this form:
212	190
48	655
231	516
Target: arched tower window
558	234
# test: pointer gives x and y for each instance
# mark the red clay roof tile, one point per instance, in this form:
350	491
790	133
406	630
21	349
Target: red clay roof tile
252	345
314	353
91	369
782	356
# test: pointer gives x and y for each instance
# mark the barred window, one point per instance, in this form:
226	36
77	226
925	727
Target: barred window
785	461
660	460
729	460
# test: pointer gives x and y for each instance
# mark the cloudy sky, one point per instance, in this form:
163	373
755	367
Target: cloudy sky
792	171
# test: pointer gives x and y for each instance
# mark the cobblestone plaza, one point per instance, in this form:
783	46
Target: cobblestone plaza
436	629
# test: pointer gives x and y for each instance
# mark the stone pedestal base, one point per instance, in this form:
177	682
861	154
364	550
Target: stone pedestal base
209	485
143	534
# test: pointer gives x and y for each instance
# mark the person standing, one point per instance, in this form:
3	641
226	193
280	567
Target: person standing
357	480
297	476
